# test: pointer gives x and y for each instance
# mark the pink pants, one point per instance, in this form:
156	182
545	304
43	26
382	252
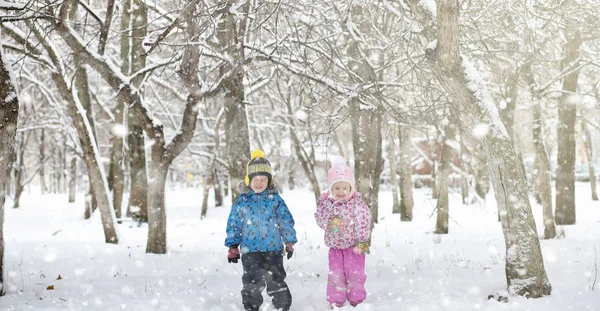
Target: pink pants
346	276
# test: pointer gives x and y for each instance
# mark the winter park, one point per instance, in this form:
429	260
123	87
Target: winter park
299	155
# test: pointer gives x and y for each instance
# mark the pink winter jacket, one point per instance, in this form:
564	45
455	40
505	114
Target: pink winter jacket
355	214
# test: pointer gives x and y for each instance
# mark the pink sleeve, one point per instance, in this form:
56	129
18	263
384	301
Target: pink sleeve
324	213
363	222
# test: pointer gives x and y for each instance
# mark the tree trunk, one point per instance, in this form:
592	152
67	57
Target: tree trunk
567	109
117	159
230	32
205	194
20	167
543	173
464	167
543	178
73	179
138	195
367	154
590	157
237	138
525	273
405	173
291	170
442	207
482	177
119	132
393	169
536	181
88	126
42	155
162	153
366	126
90	202
507	114
9	113
65	169
78	114
218	189
157	217
433	152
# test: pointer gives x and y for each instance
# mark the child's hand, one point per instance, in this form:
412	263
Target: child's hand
362	248
233	254
289	249
335	224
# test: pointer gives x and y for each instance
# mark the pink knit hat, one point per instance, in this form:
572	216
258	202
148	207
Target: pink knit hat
339	171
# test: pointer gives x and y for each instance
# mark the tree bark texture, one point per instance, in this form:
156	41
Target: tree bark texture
590	157
442	206
565	157
9	113
138	195
73	179
545	188
42	145
525	273
20	167
367	117
405	174
116	178
393	169
543	178
231	31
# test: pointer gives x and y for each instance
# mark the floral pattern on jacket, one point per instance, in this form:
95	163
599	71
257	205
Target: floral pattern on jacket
355	215
260	222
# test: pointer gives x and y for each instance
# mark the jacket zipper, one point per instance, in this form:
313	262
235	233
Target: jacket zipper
259	223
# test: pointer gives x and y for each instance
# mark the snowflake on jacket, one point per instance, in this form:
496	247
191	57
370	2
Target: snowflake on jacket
260	222
355	215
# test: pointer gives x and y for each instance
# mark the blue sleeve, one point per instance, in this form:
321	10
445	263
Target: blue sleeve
234	225
288	233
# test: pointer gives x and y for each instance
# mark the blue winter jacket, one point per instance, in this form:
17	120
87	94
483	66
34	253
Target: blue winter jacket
260	222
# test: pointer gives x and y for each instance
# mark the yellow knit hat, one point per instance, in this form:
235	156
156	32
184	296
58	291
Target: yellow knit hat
258	165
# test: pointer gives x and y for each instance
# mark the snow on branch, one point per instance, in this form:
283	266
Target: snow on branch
430	7
476	84
14	5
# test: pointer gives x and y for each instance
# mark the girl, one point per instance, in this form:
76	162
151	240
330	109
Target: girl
346	219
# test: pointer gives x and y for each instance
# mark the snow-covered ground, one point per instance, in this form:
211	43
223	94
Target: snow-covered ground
409	267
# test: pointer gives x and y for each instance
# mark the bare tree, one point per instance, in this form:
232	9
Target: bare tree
525	271
231	34
138	193
116	177
9	113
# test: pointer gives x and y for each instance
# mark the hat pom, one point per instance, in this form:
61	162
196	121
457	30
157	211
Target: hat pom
257	154
337	161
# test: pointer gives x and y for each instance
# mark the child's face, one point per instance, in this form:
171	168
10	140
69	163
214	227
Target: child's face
341	190
259	183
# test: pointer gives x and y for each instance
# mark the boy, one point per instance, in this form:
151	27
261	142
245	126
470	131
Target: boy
260	223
